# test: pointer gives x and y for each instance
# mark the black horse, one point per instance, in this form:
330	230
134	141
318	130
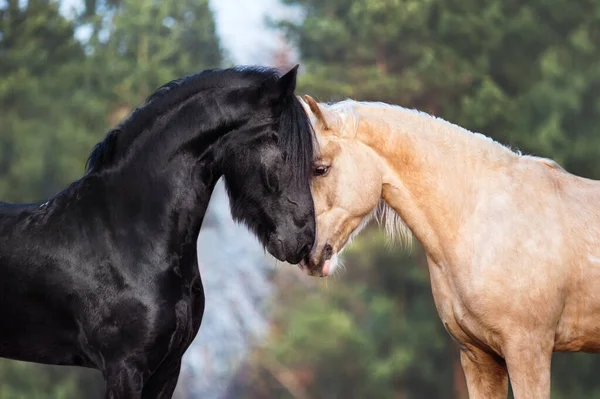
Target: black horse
105	274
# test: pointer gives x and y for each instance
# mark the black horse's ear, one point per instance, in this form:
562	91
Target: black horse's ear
286	85
278	91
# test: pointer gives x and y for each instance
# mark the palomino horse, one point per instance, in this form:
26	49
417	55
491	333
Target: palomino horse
105	274
512	241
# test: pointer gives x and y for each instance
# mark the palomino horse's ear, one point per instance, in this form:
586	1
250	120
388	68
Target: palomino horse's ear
326	119
304	105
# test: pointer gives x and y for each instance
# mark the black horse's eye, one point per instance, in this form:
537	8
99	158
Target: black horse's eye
270	181
321	170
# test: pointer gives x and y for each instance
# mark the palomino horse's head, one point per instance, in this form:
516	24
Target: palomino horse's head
346	184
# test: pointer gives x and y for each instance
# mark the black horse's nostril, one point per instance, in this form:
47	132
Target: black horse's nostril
305	251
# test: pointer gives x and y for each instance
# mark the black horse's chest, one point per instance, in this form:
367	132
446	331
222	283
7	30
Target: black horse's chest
185	309
184	284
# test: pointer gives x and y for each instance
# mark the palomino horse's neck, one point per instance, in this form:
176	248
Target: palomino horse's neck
433	170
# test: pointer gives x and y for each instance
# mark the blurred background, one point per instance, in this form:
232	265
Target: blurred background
525	73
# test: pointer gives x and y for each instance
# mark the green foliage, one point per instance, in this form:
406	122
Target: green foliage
40	143
17	381
149	43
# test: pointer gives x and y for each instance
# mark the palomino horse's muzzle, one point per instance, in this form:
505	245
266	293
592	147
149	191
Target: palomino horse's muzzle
320	268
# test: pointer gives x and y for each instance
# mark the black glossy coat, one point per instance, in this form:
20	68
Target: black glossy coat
105	273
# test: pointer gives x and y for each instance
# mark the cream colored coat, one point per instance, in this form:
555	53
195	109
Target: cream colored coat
512	241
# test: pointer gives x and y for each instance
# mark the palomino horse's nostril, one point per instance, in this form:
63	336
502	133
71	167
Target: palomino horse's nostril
327	252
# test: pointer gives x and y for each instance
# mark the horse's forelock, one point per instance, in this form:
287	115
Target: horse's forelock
297	140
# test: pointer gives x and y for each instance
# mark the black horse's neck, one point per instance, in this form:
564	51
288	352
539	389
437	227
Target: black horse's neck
168	172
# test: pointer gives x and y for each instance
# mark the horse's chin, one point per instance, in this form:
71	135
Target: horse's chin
321	269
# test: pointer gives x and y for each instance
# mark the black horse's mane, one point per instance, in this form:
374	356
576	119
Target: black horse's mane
295	131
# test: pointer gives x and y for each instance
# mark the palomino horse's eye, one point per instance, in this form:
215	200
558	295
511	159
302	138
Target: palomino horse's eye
321	170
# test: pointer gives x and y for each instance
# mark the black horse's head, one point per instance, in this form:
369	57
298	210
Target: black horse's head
245	124
267	165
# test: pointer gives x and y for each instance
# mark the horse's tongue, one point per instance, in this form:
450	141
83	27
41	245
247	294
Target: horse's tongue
325	270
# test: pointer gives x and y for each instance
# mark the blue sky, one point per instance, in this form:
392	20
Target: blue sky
240	25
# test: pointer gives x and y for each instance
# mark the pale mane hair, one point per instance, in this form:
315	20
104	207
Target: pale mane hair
395	229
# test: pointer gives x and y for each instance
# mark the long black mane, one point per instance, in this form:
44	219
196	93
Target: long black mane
296	136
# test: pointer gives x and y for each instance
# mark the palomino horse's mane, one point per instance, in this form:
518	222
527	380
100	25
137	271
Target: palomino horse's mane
347	111
395	227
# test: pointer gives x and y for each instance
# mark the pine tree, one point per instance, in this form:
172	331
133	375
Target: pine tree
38	99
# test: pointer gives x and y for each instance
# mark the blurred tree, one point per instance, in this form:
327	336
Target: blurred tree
20	380
526	74
42	144
138	45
